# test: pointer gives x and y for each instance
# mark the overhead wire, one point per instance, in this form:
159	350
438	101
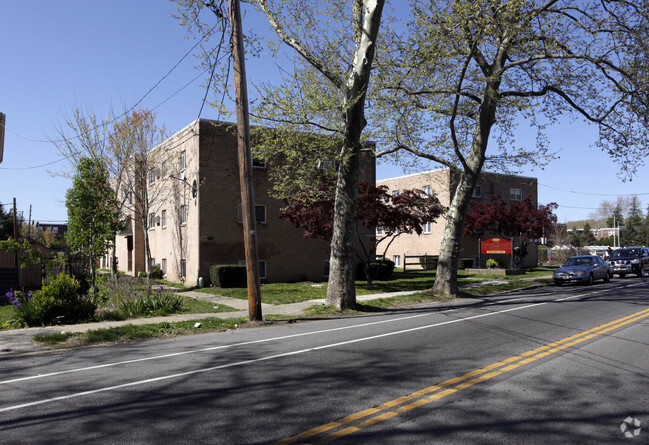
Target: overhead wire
114	119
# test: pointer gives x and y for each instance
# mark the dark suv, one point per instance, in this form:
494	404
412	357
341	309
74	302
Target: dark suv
630	260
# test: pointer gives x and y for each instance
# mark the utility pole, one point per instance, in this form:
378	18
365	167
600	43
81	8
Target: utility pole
3	122
245	165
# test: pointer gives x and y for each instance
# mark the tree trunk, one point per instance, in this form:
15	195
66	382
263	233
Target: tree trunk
341	290
446	278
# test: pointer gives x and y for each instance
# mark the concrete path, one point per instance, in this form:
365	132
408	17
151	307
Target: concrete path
19	341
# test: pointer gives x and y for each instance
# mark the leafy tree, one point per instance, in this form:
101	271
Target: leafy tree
6	224
522	220
631	235
120	144
407	212
462	74
333	44
93	213
588	239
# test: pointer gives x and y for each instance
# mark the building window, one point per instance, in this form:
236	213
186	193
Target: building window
261	264
260	214
427	227
151	175
151	220
151	263
164	266
426	190
164	219
515	194
183	214
164	169
55	230
395	193
183	160
183	268
477	191
397	260
325	269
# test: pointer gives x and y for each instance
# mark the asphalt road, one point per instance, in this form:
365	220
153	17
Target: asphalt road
547	365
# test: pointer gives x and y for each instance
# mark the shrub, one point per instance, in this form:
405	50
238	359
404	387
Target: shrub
381	271
228	275
428	262
465	263
492	264
156	272
57	302
159	302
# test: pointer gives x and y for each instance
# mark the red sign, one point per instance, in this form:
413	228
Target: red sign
496	246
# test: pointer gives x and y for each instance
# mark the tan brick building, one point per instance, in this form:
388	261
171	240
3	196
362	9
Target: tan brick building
195	219
442	183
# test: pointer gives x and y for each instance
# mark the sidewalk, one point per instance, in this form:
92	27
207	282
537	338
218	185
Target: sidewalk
19	341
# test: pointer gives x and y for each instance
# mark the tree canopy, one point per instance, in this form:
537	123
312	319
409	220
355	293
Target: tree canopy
522	220
93	212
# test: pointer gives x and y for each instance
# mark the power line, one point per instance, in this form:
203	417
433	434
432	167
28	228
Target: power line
593	194
103	124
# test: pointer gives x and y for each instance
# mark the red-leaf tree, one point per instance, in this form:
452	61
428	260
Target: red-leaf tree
521	219
407	212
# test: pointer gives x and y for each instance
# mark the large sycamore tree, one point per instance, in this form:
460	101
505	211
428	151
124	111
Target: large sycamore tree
332	45
461	77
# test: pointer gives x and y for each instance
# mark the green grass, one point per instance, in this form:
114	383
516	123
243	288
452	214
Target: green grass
133	332
285	293
496	288
6	313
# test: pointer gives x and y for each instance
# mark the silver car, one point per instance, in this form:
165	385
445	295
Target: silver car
582	269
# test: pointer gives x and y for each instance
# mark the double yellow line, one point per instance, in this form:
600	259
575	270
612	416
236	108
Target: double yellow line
425	396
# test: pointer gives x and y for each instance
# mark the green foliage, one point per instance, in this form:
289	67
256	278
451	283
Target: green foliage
93	212
156	272
428	262
127	297
58	302
381	271
157	303
465	263
492	264
228	275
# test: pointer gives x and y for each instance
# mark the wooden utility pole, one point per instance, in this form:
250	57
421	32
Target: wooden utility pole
245	165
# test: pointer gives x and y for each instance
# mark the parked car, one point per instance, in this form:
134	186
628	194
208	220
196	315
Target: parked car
582	269
628	260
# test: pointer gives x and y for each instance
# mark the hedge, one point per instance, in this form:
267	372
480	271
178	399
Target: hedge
228	275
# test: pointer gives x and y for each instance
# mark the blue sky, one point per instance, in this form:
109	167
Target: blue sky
69	54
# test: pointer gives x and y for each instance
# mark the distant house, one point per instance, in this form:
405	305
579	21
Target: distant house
442	182
56	228
196	219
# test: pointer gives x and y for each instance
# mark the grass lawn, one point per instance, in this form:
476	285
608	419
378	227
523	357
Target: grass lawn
6	314
283	293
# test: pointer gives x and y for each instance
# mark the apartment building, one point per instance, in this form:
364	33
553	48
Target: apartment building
443	183
195	218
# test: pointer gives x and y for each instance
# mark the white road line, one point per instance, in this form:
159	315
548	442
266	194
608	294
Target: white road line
266	340
270	357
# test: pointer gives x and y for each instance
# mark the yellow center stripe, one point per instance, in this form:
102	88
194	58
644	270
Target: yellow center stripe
383	412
